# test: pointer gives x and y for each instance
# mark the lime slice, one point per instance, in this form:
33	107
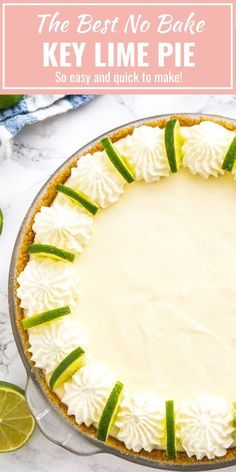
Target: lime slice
67	368
51	251
1	221
170	429
118	161
16	421
230	157
110	411
45	317
234	414
173	144
8	101
78	197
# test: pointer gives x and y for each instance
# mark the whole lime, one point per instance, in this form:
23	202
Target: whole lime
8	101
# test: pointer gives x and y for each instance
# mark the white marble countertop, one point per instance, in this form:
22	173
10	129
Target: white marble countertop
38	151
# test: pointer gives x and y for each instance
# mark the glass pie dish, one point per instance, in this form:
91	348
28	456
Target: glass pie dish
50	418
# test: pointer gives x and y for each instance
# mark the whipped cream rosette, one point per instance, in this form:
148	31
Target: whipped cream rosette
205	427
45	284
86	393
63	225
145	150
140	422
95	177
49	344
205	147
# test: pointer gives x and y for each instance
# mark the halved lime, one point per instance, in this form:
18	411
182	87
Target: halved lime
1	221
45	317
119	162
51	251
67	368
110	411
16	421
173	144
230	157
78	197
170	430
8	101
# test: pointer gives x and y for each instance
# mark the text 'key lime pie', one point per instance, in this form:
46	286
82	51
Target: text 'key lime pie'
127	296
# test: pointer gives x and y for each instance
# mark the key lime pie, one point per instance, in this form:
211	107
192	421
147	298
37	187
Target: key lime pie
126	290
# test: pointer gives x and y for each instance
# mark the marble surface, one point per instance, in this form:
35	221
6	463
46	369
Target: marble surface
37	152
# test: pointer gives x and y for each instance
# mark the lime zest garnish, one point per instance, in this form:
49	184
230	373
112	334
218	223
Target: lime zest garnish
51	251
170	430
45	317
67	367
17	423
110	412
173	144
230	157
78	197
119	162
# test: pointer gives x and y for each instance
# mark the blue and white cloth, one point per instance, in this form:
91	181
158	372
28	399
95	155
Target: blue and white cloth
31	109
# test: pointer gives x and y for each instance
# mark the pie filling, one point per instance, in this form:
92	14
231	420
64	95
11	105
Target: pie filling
151	298
160	274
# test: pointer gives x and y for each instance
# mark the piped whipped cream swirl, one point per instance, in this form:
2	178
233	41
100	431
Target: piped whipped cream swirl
87	392
51	343
145	150
205	427
140	422
205	147
45	284
64	226
95	176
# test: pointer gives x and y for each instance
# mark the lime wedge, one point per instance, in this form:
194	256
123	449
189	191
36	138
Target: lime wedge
173	144
1	221
110	411
78	197
118	161
16	421
67	368
230	157
45	317
51	251
170	430
8	101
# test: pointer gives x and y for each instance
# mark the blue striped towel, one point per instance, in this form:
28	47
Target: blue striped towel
31	109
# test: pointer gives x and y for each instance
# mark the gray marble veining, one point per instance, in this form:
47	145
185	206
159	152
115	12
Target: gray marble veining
37	152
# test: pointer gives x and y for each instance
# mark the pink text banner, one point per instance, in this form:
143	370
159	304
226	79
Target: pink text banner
114	47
